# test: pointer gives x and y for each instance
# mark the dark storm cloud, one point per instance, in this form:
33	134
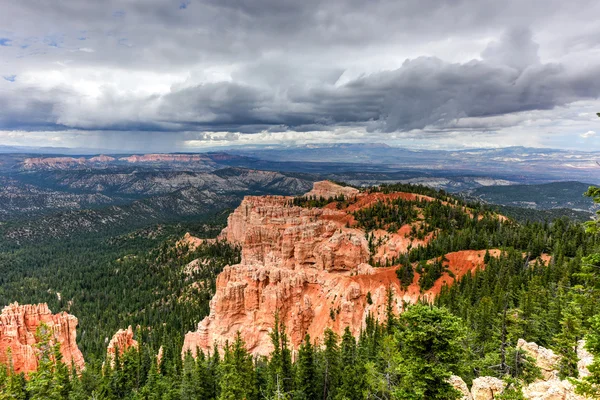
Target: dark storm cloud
283	64
423	92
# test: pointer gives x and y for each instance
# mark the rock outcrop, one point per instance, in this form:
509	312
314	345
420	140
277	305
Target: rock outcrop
460	385
554	389
585	359
52	162
121	341
327	189
544	358
150	158
486	387
18	325
550	387
311	266
192	243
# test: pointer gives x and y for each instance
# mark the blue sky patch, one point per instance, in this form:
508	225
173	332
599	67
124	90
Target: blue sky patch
119	14
5	42
184	4
53	40
10	78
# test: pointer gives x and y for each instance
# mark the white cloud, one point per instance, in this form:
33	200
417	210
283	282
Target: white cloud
588	134
303	71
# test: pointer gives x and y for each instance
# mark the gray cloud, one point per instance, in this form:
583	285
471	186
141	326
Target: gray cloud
277	65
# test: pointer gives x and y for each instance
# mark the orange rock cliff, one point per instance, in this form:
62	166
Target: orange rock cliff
121	341
310	266
18	325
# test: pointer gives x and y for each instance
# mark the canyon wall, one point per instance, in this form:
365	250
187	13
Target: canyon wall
310	266
18	325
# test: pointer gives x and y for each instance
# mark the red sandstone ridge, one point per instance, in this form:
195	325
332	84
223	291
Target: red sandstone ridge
121	341
52	162
101	159
327	189
18	324
165	157
309	265
192	243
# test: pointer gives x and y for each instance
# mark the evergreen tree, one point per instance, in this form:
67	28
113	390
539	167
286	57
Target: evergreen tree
331	368
236	372
190	380
306	388
590	385
279	370
429	341
566	341
42	384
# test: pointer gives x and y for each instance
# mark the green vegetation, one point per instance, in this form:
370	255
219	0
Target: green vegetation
541	197
471	330
389	215
112	282
314	201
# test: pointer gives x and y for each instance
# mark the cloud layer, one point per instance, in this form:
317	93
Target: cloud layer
176	72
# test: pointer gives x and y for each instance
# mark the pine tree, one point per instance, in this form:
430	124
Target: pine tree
62	381
429	340
331	365
279	365
389	310
236	372
353	378
41	384
306	388
12	385
590	385
190	379
566	341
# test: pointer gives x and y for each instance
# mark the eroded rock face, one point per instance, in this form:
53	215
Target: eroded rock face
585	359
460	385
307	264
544	358
192	243
121	341
554	389
327	189
184	158
486	387
550	387
18	325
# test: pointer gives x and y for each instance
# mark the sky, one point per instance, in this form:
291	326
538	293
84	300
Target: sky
186	75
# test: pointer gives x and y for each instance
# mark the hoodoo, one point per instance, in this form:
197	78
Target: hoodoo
121	341
18	325
311	266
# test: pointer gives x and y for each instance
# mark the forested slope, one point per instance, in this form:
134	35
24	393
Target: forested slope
470	331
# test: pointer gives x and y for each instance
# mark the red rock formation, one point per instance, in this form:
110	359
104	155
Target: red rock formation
123	341
308	265
327	189
165	157
192	242
18	325
101	159
52	162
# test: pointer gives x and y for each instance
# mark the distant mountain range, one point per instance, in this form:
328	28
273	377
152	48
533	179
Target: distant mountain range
521	164
539	197
56	194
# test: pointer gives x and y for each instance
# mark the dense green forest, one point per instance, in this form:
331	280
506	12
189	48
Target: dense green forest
115	281
471	330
